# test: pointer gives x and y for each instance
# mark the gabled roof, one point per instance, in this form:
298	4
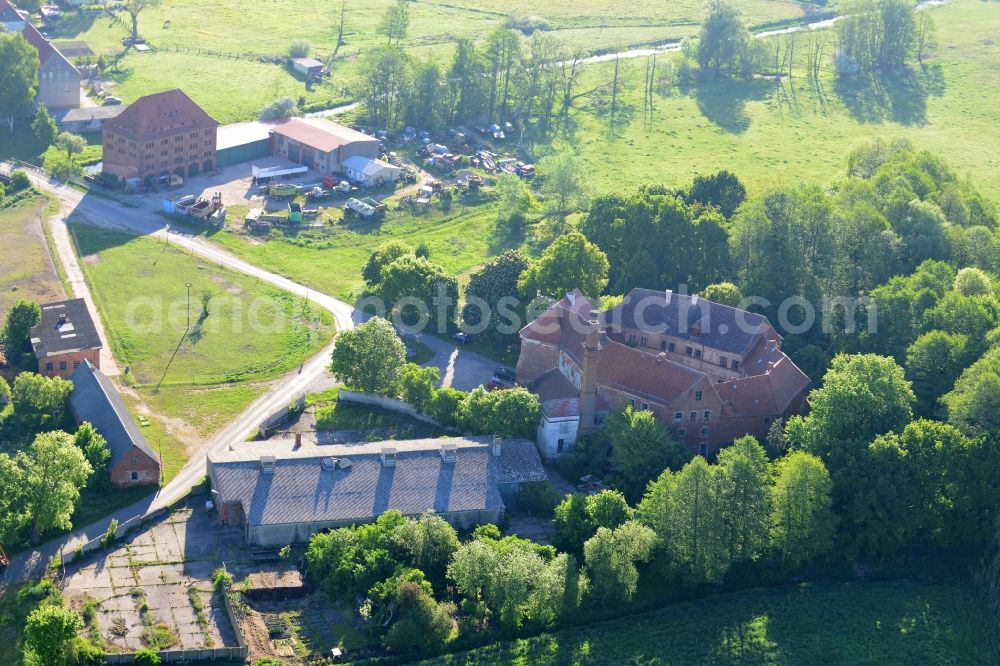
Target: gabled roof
65	326
689	317
9	13
367	166
160	114
301	488
320	134
96	400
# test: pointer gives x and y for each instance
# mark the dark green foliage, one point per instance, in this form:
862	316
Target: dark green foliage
382	257
722	190
444	405
974	404
22	316
508	413
642	449
369	357
416	385
492	290
44	126
147	657
539	498
419	281
424	625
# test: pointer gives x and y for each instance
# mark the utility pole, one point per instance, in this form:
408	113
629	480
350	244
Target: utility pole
188	285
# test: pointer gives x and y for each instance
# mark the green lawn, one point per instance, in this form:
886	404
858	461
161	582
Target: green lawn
770	135
29	272
818	623
331	260
252	332
331	414
24	146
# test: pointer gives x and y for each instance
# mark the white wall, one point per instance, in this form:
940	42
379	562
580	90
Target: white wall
551	431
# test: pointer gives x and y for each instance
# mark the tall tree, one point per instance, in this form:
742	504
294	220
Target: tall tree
933	363
395	22
44	400
491	296
95	450
21	318
572	523
136	7
12	501
384	255
508	413
642	449
71	144
570	262
18	77
973	405
695	541
386	80
723	189
54	472
44	125
434	289
611	557
563	185
743	477
369	357
802	523
724	40
48	632
608	509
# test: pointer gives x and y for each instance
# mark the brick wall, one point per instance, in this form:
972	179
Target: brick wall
147	472
185	154
535	360
63	365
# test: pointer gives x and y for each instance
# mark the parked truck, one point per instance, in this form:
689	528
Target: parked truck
279	190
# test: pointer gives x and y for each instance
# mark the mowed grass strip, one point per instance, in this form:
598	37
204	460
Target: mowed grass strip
251	331
818	623
27	270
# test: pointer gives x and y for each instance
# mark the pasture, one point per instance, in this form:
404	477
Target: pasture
241	334
28	271
894	622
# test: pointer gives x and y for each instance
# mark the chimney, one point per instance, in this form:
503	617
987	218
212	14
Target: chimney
497	446
588	380
449	453
267	464
388	457
298	439
670	295
329	463
694	299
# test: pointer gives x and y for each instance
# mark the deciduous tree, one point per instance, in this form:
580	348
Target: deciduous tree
395	22
21	318
642	449
369	357
18	77
743	480
48	632
611	557
54	472
802	523
44	125
570	262
136	7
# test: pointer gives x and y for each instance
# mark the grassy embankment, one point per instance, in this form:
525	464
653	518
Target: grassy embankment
816	623
28	272
252	333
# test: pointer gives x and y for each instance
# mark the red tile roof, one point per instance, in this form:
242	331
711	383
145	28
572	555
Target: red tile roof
160	114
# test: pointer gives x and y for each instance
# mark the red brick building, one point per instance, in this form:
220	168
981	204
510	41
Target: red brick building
65	338
711	373
160	135
96	400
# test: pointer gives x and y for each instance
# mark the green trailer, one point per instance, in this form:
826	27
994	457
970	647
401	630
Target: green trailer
294	213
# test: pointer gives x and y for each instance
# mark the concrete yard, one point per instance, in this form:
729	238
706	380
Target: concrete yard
144	581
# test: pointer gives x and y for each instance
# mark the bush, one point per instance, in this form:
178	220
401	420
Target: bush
221	578
527	24
300	48
538	498
146	657
19	181
444	405
82	652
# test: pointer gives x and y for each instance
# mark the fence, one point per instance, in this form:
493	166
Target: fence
386	403
273	423
237	653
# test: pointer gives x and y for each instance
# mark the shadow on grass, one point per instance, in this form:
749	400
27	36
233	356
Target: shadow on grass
724	101
899	97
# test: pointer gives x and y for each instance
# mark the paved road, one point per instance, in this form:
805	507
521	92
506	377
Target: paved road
459	368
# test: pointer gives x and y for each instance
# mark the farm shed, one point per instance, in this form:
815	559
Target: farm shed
283	491
242	142
307	66
89	119
370	172
320	144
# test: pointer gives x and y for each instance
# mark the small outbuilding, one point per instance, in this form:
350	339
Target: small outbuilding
65	338
308	66
242	142
369	172
89	119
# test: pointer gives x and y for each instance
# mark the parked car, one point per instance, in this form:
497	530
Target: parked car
504	375
462	337
111	100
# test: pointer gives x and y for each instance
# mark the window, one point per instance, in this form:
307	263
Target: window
48	366
559	446
692	417
76	364
644	405
670	347
678	417
724	362
62	365
681	432
631	402
135	460
767	422
697	395
663	345
631	338
689	351
697	353
703	449
644	341
135	476
599	419
704	431
707	415
736	365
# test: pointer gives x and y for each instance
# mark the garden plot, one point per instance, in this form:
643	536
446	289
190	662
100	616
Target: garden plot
154	589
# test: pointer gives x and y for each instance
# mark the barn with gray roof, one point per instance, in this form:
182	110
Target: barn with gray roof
282	492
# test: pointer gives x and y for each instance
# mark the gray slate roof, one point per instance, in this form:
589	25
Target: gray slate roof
721	327
65	326
301	490
96	400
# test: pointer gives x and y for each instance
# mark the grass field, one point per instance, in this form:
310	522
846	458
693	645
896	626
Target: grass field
331	260
252	332
770	135
27	272
819	623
